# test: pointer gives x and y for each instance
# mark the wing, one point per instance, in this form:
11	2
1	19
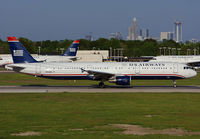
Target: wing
98	75
194	64
14	67
74	58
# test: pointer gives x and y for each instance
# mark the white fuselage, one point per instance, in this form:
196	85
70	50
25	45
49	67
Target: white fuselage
178	59
4	60
136	70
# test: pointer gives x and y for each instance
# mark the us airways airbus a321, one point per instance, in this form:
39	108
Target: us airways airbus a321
120	73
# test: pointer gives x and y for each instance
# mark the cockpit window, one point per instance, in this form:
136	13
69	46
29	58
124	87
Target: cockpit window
188	67
1	58
153	58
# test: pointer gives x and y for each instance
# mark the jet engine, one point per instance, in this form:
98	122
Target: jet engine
121	80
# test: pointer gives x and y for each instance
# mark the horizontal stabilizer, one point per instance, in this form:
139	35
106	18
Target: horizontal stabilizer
15	68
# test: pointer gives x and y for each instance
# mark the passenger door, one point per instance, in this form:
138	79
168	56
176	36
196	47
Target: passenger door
175	68
38	69
137	69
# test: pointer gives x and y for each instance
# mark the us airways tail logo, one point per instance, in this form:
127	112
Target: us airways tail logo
17	52
72	49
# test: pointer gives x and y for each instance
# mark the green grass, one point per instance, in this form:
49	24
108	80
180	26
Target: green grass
56	114
22	79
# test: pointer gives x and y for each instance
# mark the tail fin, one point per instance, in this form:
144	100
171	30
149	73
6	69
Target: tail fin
19	53
72	50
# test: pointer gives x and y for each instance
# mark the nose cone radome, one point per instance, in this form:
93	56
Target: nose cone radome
193	73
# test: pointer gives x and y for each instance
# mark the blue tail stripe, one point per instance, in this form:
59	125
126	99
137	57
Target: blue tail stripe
20	54
72	50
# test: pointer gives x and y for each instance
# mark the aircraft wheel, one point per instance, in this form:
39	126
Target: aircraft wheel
101	85
174	83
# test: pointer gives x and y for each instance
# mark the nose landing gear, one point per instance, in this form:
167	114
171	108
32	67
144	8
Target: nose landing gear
174	82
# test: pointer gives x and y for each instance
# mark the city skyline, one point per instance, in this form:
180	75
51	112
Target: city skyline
133	30
53	20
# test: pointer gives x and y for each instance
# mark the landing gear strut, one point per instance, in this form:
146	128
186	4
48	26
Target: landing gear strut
101	85
174	81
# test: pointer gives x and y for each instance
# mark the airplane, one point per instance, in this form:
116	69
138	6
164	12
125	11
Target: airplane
68	56
120	73
190	60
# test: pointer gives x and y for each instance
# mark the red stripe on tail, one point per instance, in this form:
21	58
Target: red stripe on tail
11	39
76	41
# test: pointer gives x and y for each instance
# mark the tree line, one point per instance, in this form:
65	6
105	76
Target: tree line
130	48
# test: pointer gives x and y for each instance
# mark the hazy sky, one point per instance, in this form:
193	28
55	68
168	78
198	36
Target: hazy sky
73	19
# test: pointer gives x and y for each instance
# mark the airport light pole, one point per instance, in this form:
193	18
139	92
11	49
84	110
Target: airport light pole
169	48
164	48
188	51
199	50
61	49
39	50
117	54
110	53
160	50
120	54
114	54
195	51
173	51
179	50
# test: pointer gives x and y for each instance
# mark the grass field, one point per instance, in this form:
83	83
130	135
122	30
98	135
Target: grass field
88	115
22	79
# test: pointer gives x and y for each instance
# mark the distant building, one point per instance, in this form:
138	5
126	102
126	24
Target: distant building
88	37
144	34
92	55
133	30
171	35
166	36
112	36
193	41
140	38
116	35
178	31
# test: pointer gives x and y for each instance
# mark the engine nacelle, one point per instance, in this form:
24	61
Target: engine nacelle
122	80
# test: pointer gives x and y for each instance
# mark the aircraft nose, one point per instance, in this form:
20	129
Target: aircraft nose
193	73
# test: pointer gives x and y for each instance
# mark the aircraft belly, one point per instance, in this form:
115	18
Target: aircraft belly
156	77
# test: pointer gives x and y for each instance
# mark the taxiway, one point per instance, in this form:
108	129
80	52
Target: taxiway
95	89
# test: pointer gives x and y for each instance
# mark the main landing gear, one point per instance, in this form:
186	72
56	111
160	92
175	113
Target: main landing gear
174	81
101	85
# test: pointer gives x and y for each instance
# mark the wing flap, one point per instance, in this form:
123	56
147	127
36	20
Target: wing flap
98	75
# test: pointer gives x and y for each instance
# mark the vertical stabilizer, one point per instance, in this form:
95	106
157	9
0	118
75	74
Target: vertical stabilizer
19	53
72	50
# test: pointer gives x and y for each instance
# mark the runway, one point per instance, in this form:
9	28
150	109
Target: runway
95	89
